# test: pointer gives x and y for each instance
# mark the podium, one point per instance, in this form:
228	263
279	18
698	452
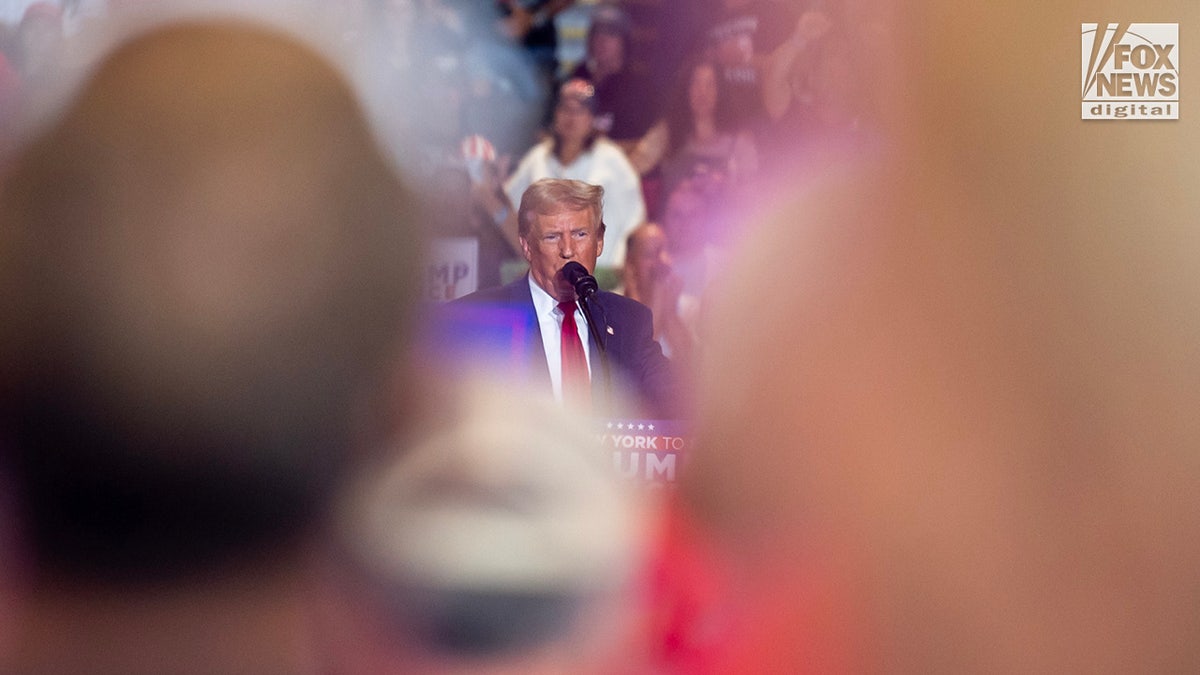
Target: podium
646	452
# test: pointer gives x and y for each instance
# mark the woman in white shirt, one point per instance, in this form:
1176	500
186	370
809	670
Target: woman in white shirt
576	150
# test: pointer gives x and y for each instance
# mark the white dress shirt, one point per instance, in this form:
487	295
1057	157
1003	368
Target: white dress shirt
550	320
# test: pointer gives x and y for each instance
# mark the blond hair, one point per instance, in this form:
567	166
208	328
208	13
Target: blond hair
550	196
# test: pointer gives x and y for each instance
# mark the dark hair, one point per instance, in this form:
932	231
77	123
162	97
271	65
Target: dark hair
609	18
203	287
583	91
679	117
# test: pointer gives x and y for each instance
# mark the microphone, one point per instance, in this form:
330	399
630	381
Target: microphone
584	283
585	287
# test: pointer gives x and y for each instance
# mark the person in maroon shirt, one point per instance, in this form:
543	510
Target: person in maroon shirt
624	110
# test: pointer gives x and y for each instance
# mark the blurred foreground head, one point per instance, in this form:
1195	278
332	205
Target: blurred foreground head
975	395
501	540
205	274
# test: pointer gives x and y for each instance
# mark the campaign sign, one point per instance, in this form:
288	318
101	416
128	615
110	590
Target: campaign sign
452	269
651	452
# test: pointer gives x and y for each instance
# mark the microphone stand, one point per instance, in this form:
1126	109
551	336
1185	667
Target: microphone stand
585	304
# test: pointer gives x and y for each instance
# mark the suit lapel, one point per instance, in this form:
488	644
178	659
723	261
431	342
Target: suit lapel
523	297
605	332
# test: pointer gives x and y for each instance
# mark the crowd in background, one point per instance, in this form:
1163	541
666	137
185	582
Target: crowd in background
946	410
664	104
715	99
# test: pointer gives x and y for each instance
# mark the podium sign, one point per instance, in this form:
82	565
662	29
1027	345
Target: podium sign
650	452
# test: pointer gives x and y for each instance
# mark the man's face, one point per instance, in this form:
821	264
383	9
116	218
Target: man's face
553	241
647	256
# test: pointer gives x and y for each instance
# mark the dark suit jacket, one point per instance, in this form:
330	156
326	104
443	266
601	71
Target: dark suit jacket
636	362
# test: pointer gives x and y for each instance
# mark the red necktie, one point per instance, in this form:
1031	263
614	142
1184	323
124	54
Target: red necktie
576	384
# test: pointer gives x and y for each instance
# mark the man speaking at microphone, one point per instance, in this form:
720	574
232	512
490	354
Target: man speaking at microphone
592	367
